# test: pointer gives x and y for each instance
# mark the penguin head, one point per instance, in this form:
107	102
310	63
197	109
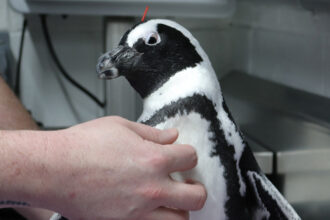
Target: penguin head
149	54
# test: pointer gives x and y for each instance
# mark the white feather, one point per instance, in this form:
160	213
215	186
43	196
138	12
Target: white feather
193	130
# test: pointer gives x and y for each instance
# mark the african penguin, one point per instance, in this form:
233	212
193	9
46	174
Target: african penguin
166	65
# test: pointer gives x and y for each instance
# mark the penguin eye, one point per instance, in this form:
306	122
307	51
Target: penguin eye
152	39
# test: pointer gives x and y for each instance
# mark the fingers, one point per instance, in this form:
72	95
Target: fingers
163	213
153	134
180	157
186	196
180	195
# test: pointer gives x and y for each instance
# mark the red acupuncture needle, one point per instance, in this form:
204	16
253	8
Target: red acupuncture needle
145	13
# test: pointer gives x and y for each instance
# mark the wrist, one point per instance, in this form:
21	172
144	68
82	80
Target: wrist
26	166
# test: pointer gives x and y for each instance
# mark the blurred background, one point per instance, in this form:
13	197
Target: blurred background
272	59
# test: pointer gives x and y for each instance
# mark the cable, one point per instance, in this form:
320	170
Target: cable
17	88
61	68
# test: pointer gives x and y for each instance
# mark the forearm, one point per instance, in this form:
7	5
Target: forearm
12	113
13	116
25	167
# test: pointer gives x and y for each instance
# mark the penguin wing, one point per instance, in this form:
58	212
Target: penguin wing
270	203
263	199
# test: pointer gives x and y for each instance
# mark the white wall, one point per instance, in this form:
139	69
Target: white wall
283	42
78	43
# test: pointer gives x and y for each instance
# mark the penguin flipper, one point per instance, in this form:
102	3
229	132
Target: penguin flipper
263	199
270	204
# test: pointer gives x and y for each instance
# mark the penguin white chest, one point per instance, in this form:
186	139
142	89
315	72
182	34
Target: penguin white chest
195	130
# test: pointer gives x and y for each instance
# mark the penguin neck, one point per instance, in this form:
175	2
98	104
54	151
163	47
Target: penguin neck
200	79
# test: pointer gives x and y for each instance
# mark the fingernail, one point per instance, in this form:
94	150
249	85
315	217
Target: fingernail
169	135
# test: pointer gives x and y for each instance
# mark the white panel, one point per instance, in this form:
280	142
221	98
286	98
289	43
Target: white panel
181	8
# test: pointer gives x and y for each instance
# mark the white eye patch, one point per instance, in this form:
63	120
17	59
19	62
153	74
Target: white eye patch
141	31
152	39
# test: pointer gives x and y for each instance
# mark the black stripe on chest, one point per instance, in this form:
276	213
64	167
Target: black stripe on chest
235	205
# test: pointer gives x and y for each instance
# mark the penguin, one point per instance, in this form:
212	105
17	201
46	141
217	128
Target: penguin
167	66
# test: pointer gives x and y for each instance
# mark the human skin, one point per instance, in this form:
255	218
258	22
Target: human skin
13	116
108	168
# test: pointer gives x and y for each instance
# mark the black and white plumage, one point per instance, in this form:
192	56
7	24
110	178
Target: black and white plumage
172	73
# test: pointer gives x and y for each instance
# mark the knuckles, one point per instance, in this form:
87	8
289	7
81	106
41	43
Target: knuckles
157	161
153	193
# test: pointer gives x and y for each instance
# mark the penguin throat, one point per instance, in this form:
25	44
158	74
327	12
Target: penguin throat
200	79
146	85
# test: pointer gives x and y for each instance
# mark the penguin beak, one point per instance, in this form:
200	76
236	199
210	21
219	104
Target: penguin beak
117	62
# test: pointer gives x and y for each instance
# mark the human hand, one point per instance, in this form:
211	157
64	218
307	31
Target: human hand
112	168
